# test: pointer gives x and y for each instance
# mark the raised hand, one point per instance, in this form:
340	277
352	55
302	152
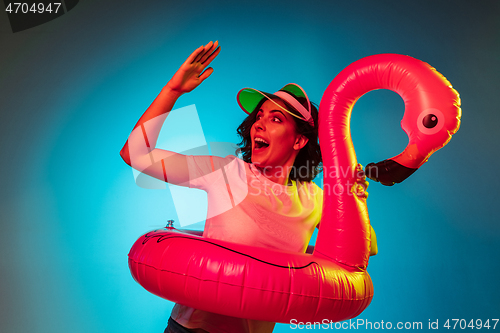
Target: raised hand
194	70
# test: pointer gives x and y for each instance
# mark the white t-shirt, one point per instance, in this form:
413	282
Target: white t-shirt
247	208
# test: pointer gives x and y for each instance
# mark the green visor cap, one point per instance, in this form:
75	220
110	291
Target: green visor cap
249	98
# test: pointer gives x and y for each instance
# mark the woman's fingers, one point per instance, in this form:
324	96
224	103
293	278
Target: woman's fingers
194	55
211	57
360	174
206	74
193	72
198	54
361	184
209	52
204	54
206	48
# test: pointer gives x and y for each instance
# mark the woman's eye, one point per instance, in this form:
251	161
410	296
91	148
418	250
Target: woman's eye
275	119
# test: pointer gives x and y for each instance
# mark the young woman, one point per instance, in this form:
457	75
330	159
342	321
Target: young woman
265	199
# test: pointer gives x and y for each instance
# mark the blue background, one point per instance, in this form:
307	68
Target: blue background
72	89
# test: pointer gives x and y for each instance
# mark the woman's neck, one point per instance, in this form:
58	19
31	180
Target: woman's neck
279	175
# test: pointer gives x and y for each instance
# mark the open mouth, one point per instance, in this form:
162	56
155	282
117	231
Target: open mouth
260	144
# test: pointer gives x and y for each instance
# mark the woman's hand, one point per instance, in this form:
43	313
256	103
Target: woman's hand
194	70
361	184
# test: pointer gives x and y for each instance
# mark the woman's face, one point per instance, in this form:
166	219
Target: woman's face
275	141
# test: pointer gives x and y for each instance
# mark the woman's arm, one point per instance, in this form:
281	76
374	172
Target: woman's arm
140	150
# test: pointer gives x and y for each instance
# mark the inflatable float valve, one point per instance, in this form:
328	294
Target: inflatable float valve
170	224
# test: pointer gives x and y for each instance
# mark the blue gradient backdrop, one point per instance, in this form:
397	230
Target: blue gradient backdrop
72	89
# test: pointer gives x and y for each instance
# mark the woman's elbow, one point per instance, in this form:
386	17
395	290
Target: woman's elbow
125	154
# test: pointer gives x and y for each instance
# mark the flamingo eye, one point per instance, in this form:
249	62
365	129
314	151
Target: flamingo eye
430	121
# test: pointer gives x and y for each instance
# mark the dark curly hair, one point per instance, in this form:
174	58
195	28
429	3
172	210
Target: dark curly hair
308	163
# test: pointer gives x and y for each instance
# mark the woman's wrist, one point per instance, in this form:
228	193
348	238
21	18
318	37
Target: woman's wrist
171	92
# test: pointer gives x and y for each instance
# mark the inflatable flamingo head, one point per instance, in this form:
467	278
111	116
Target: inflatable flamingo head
432	114
432	109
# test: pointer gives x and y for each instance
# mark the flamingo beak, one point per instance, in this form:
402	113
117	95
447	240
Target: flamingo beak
388	172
